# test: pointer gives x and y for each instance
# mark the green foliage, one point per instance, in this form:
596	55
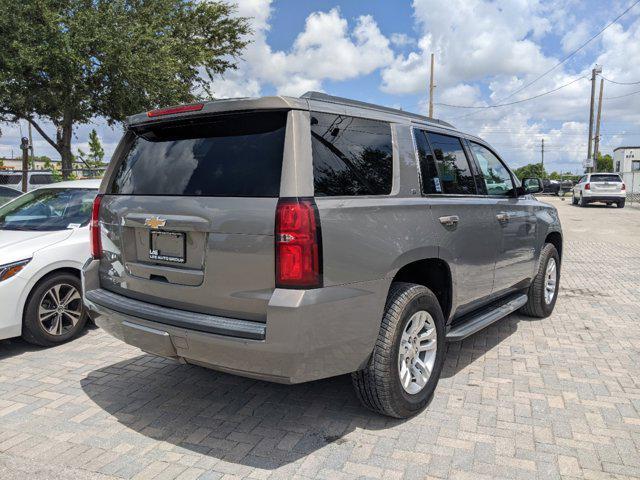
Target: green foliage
69	61
604	163
96	152
531	170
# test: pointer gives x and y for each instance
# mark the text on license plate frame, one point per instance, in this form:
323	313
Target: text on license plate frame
168	246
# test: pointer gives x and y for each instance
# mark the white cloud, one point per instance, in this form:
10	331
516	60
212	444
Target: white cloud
402	39
327	49
472	40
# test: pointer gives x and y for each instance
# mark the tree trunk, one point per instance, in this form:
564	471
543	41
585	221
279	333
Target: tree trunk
64	144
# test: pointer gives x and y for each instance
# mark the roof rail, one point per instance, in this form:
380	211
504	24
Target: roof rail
323	97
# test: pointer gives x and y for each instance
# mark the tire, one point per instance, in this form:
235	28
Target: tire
583	202
36	332
574	199
621	203
378	385
537	305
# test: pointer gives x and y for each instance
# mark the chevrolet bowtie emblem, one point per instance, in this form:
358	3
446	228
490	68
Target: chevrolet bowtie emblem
155	222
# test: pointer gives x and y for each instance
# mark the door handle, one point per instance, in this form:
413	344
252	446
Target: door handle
449	220
502	217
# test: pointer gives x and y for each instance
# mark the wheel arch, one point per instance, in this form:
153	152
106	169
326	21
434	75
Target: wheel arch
433	273
555	239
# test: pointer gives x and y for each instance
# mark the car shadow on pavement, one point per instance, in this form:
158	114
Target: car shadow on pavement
247	422
250	422
13	347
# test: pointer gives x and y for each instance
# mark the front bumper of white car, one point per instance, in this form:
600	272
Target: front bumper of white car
11	293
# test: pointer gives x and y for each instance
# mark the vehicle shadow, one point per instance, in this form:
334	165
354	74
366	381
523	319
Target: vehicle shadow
15	346
247	422
250	422
12	347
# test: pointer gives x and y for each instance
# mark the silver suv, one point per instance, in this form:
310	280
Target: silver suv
293	239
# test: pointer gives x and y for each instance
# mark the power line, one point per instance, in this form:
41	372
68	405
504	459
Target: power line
619	83
572	53
622	96
515	102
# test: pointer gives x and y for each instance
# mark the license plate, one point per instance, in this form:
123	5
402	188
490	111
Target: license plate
167	246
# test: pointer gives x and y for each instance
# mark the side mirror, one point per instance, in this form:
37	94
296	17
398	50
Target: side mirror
531	185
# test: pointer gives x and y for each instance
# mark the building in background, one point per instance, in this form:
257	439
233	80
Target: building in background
626	161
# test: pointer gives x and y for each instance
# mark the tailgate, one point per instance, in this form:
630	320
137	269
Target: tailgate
188	217
211	255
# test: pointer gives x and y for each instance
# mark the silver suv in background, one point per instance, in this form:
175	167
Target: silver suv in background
293	239
600	187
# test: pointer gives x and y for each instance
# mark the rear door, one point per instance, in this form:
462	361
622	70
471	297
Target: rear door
468	234
189	214
514	220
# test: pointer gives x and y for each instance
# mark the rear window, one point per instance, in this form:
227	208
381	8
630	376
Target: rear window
351	156
605	178
237	155
10	179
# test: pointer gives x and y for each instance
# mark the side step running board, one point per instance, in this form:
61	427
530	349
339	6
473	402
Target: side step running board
485	318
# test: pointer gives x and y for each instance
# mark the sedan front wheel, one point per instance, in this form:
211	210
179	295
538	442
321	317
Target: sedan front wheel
54	312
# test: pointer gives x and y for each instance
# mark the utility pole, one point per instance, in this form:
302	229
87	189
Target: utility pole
31	144
431	87
596	70
542	153
24	145
596	142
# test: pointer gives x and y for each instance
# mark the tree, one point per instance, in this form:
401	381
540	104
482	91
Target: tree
96	152
68	61
604	163
531	170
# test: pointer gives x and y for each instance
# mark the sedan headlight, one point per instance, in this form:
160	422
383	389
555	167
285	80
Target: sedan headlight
10	269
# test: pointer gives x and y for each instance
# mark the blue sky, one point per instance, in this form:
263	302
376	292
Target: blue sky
378	51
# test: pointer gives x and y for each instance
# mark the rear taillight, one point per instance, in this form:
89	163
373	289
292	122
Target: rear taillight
623	187
587	186
298	244
94	229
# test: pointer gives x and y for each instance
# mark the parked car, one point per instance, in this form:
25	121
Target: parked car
35	179
566	186
293	239
44	240
8	193
600	187
551	186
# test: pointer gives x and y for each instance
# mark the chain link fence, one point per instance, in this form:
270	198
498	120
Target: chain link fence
41	178
632	182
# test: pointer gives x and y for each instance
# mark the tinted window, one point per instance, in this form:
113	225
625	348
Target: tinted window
351	156
605	178
10	179
40	179
496	177
224	156
428	171
452	165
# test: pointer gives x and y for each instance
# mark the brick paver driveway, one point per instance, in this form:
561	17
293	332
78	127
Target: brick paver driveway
551	398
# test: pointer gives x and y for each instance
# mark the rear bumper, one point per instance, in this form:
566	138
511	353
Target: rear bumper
308	335
604	197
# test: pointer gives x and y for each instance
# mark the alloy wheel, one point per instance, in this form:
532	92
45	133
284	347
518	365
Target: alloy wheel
60	309
550	281
417	353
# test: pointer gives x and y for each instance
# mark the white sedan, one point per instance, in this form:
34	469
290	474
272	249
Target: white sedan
44	240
